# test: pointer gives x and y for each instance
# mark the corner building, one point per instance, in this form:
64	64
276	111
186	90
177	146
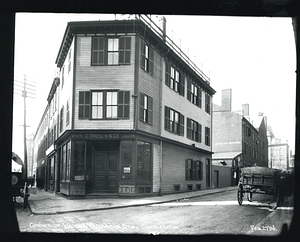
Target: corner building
133	113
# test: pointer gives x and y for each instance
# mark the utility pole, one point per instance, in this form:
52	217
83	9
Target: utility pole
25	141
26	90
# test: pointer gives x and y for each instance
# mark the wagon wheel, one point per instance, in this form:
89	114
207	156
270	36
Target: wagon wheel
249	196
240	194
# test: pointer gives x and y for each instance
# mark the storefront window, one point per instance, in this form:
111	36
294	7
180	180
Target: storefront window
79	160
126	160
68	161
143	161
63	170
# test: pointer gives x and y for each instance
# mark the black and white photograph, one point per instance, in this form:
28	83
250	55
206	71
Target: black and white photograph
153	124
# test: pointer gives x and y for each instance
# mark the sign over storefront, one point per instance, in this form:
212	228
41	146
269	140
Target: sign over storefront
103	136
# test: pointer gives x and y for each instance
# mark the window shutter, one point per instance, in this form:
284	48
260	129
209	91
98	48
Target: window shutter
121	50
167	74
124	50
126	104
189	89
120	104
186	169
98	51
201	170
167	118
150	110
188	133
198	101
128	47
199	132
142	107
151	61
143	55
194	167
181	124
81	105
181	84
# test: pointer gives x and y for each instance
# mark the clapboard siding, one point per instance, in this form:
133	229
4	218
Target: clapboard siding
173	167
156	167
181	104
151	86
89	77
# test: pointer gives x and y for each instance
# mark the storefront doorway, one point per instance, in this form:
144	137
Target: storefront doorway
105	172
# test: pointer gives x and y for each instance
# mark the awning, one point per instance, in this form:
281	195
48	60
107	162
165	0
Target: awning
226	155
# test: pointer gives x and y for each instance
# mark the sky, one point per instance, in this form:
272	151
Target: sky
253	56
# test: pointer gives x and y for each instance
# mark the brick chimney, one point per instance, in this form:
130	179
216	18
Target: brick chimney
163	26
226	100
245	108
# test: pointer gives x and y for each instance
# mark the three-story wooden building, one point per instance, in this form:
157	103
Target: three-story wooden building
133	113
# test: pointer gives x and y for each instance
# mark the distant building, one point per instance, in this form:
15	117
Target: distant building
237	142
292	160
31	165
279	154
128	114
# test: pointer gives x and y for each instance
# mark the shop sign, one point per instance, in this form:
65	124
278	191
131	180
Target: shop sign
127	189
95	136
126	169
79	178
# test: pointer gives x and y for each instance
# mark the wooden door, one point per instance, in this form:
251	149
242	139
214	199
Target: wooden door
105	179
216	179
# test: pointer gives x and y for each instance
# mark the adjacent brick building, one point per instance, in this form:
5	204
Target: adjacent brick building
237	142
128	114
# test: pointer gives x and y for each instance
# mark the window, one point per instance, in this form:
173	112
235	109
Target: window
147	58
249	131
194	130
194	93
207	103
193	169
104	105
61	119
146	108
63	158
67	114
174	121
111	105
84	105
68	154
144	151
174	79
110	51
207	136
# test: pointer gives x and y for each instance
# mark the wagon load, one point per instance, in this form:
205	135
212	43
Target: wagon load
258	179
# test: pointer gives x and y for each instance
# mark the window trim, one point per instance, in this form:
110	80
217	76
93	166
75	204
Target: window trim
146	113
193	170
147	58
174	78
179	130
102	52
207	136
192	134
194	93
125	106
